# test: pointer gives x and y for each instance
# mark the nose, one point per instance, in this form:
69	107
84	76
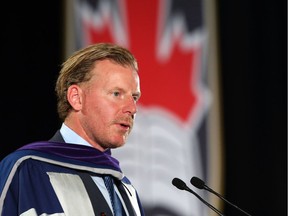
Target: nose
130	106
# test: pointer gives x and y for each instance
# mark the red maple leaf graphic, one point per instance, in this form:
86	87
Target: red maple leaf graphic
168	84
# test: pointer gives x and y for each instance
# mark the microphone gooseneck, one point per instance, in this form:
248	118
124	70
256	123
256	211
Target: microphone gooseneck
200	184
181	185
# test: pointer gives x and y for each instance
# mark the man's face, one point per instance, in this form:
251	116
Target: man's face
109	104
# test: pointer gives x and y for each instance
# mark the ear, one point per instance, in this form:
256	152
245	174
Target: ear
74	96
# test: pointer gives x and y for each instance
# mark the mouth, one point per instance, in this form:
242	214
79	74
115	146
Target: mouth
125	126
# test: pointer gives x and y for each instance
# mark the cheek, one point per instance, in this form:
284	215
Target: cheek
100	110
91	103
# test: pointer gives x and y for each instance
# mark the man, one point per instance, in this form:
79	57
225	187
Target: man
97	91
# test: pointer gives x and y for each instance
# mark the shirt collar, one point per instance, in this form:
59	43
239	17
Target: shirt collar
70	136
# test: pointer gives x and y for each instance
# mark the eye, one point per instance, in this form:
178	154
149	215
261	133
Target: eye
116	93
136	98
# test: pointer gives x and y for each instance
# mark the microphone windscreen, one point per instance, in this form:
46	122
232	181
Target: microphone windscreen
197	182
179	183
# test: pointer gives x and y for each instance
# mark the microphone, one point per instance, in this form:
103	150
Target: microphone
182	186
200	184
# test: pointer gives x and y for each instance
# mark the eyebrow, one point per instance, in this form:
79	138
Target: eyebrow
138	94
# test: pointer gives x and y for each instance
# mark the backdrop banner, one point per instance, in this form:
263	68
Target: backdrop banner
170	137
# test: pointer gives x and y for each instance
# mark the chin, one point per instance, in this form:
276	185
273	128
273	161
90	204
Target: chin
120	145
116	145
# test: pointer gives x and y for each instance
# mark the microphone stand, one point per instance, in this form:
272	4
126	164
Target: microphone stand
201	185
182	186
